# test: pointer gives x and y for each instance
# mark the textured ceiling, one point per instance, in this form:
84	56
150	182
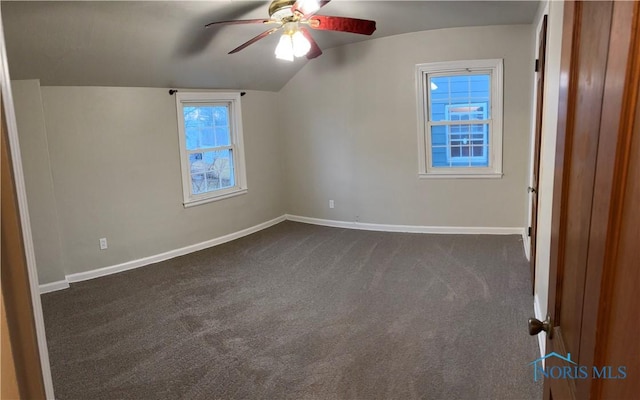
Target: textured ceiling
164	44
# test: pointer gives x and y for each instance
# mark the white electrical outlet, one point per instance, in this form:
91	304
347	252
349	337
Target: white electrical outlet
331	204
103	243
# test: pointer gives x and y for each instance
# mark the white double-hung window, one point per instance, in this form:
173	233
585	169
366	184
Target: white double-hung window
211	146
460	119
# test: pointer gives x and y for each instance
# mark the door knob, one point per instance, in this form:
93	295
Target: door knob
531	189
536	326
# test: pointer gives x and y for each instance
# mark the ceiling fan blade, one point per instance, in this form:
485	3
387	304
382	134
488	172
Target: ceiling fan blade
315	49
239	22
342	24
303	6
196	40
255	39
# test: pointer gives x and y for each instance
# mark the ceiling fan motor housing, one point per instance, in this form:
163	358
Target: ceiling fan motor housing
281	9
288	15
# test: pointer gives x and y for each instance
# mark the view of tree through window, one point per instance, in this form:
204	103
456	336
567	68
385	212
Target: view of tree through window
209	146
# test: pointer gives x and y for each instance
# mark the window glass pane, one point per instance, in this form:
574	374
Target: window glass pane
193	137
196	163
459	87
439	135
222	136
206	126
221	116
439	156
211	170
197	183
459	97
207	139
460	145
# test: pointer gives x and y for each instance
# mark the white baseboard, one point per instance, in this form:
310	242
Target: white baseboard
96	273
542	336
468	230
54	286
83	276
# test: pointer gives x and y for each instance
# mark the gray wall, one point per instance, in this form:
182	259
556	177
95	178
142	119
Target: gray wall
351	132
116	171
104	161
41	198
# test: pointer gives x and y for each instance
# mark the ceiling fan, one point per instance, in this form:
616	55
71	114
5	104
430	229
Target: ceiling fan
292	16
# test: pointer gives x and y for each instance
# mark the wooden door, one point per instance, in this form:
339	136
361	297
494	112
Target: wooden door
18	318
533	190
594	277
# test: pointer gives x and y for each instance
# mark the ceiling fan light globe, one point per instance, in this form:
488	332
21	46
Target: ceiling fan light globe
301	45
308	6
284	49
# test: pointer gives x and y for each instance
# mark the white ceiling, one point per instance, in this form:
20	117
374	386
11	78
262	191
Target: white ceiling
164	43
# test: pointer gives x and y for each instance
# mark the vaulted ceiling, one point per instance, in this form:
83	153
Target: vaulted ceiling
164	43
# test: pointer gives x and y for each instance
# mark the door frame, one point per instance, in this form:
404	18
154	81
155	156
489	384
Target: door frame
21	195
538	118
534	108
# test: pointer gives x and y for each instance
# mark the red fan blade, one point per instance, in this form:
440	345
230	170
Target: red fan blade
315	49
255	39
301	5
239	22
342	24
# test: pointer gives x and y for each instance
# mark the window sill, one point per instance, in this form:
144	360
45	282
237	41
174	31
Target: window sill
222	196
435	175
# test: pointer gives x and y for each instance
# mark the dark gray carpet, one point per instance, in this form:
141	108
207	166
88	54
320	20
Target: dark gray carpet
304	312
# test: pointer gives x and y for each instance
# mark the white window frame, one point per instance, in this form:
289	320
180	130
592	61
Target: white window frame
232	100
492	67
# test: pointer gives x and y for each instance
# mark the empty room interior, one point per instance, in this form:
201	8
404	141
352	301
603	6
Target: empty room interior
320	199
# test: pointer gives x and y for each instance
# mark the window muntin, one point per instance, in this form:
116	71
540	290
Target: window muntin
211	146
460	118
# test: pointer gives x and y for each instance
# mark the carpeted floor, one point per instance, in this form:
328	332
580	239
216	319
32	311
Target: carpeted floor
304	312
